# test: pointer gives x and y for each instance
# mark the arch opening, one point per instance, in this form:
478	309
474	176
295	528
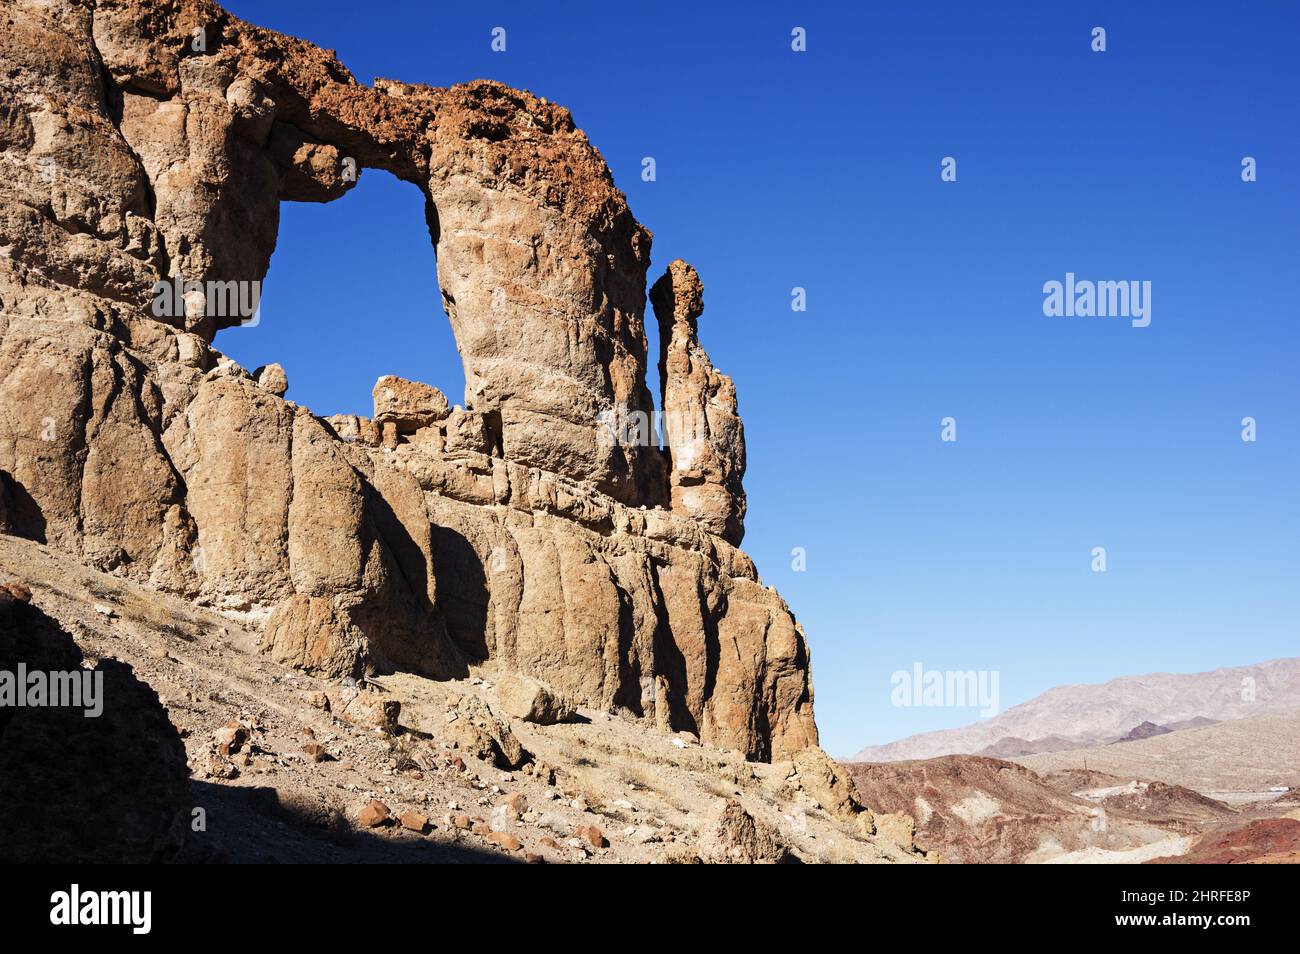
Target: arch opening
352	294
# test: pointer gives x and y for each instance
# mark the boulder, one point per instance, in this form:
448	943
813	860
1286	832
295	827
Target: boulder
414	821
532	700
592	836
271	377
408	405
374	814
370	710
897	827
503	840
485	737
829	784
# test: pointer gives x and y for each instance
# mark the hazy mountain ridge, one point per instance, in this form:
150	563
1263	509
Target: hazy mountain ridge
1254	754
1080	716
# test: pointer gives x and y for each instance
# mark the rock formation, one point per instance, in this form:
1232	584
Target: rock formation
706	440
740	839
147	145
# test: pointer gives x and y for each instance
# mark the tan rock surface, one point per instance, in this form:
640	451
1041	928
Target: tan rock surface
705	435
531	700
740	839
410	405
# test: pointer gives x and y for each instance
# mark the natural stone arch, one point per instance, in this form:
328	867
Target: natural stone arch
344	552
541	263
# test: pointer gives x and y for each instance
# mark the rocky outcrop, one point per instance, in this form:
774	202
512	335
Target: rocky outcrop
741	839
705	437
149	144
408	405
830	785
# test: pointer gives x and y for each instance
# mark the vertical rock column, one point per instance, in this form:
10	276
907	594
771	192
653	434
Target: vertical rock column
706	439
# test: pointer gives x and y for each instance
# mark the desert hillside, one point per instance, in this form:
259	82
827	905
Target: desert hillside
516	624
1243	756
285	766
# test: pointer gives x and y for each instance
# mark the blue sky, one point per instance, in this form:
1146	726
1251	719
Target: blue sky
822	170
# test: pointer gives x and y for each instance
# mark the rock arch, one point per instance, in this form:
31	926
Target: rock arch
541	263
510	535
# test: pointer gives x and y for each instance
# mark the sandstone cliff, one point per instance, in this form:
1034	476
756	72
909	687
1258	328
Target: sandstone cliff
149	141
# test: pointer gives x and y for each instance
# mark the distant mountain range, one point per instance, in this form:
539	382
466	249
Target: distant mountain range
1126	709
1257	753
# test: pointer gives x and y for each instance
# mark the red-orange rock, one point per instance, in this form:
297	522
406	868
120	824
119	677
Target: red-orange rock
504	840
374	815
414	821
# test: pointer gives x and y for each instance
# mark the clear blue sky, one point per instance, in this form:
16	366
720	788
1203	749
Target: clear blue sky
821	170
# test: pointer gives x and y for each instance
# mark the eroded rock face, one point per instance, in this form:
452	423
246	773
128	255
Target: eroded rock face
705	437
540	262
152	142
